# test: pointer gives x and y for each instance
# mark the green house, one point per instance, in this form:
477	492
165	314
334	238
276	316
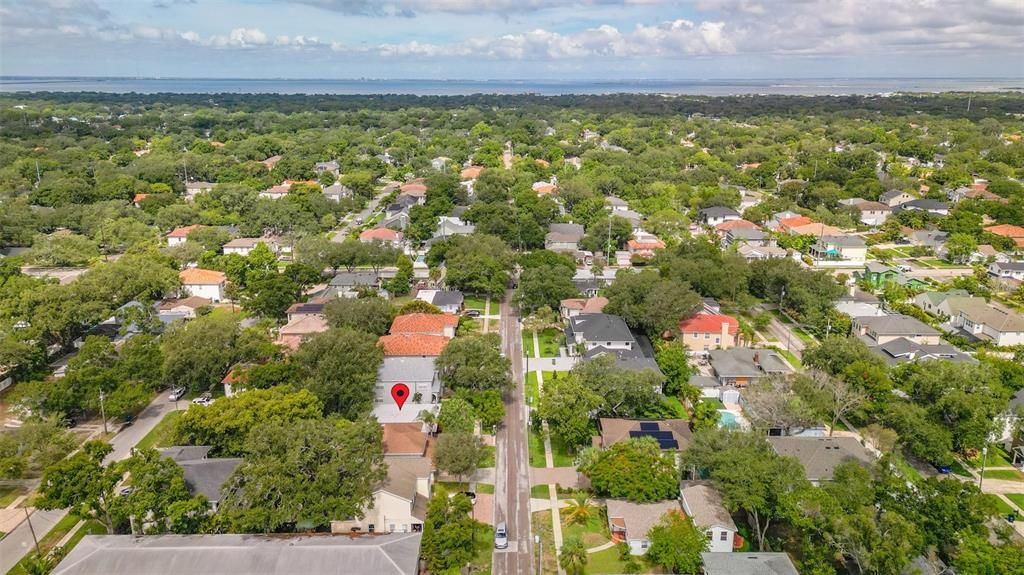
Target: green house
879	274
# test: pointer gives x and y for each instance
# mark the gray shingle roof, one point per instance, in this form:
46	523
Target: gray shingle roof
902	350
748	564
348	279
447	297
739	362
208	476
821	455
393	554
896	324
600	327
574	230
718	212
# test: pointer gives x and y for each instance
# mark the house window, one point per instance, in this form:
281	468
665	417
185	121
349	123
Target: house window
707	336
718	340
417	527
391	528
644	544
723	536
371	528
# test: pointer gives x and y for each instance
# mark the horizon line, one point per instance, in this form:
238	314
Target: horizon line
487	80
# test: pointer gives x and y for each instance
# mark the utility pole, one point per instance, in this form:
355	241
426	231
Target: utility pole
39	177
33	530
540	552
185	166
103	411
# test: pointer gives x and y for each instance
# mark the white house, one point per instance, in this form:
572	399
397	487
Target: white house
1007	270
563	237
873	213
703	504
244	246
448	301
839	250
717	215
207	284
631	522
990	322
399	502
598	330
193	189
179	235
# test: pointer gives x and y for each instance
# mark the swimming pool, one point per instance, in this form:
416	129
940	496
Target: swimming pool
727	419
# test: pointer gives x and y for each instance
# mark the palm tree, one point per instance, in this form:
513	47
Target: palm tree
746	333
573	557
580	510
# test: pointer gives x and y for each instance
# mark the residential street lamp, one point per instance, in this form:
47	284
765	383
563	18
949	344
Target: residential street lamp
103	411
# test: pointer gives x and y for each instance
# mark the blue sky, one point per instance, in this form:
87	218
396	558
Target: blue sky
504	39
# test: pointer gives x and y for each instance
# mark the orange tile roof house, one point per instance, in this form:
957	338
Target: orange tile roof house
707	331
787	223
412	344
380	235
644	246
198	282
1016	233
179	235
442	324
544	188
404	439
735	224
471	172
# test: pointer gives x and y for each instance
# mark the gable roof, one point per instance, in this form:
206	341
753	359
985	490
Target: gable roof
709	323
746	362
199	276
305	325
192	302
703	504
821	455
573	230
896	324
382	234
471	172
183	231
614	430
403	473
345	279
638	518
391	554
872	207
412	344
586	305
404	439
736	224
424	323
903	350
748	564
601	327
717	212
815	229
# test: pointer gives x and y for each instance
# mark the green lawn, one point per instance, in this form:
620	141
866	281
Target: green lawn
1001	506
536	444
483	543
485	488
1017	498
791	358
593	533
997	457
1004	474
539	492
50	540
550	341
474	303
958	468
717	403
906	469
606	561
541	523
938	263
460	486
91	527
560	453
803	335
528	350
9	494
488	458
160	436
677	408
532	389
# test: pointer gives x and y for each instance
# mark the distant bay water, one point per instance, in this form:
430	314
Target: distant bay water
805	87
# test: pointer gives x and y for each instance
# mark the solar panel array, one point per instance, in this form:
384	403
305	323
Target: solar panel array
665	439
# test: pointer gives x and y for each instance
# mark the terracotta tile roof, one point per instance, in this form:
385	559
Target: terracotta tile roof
404	439
382	234
644	245
542	163
793	222
199	276
183	232
139	197
412	344
815	229
414	189
1006	230
423	323
736	224
545	188
709	323
472	172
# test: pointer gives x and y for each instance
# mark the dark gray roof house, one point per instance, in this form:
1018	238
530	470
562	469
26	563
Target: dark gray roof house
903	350
203	475
717	214
821	455
741	365
392	554
599	329
353	279
748	564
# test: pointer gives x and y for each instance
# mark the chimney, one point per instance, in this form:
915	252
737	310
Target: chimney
757	359
725	333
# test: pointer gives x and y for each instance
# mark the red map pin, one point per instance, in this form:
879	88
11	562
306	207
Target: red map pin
400	393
